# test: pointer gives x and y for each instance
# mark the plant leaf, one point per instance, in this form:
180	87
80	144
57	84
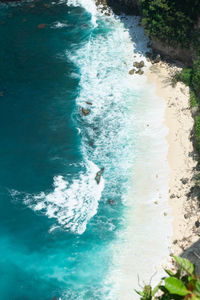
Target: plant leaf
194	297
185	264
176	286
155	290
197	288
169	272
139	293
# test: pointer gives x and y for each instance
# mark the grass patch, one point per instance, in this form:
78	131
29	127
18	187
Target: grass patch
197	132
193	99
184	76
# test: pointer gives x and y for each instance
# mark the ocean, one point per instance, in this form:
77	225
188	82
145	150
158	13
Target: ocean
63	235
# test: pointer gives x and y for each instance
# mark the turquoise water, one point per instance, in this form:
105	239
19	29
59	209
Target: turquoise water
57	224
62	235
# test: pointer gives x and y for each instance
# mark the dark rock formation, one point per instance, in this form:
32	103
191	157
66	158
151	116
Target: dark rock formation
40	26
85	112
140	72
157	58
111	202
184	180
139	65
176	53
194	111
89	103
131	72
98	175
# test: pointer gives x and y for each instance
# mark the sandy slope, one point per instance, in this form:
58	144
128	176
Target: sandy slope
181	156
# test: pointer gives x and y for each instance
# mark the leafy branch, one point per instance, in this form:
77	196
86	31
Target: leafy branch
182	284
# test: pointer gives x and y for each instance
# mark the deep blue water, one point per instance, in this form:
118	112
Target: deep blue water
56	224
39	140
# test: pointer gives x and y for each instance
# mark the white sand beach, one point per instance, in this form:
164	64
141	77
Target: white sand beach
181	156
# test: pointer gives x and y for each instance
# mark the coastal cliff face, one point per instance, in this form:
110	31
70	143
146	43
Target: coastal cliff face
132	7
176	53
129	3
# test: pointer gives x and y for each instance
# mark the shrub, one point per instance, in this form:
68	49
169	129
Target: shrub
184	76
182	284
196	76
193	99
197	132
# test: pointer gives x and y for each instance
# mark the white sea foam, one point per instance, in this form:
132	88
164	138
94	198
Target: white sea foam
130	127
89	5
105	82
72	205
59	25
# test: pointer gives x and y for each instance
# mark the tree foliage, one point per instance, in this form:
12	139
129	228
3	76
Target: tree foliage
196	77
171	21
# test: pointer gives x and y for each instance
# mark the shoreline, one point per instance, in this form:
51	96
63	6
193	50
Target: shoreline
175	208
181	158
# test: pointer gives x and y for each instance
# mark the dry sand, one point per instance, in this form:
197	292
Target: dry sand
181	158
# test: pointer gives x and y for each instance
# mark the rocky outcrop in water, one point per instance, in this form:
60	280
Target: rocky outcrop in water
138	65
85	112
98	175
131	72
140	72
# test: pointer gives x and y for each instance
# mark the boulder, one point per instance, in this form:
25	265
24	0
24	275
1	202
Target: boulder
98	175
148	54
85	112
157	59
138	64
194	111
140	72
131	72
184	180
172	196
197	224
89	103
111	202
40	26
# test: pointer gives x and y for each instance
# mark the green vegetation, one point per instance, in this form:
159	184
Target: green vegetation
196	76
193	99
191	77
171	21
185	76
182	284
197	132
176	23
